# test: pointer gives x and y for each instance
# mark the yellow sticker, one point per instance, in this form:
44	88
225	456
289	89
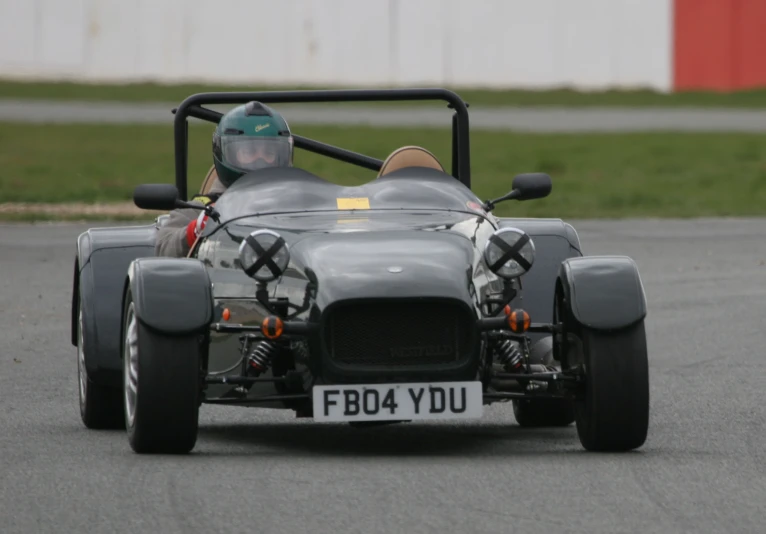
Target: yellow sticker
202	198
353	203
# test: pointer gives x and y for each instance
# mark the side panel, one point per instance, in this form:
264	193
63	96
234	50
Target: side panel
555	241
172	295
103	257
604	292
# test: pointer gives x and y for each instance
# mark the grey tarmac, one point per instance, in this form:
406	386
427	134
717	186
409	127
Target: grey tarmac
703	468
538	120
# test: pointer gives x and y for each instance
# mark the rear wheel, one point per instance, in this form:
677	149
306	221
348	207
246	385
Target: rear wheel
543	412
100	406
613	414
161	380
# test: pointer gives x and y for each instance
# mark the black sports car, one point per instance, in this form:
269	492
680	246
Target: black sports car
401	299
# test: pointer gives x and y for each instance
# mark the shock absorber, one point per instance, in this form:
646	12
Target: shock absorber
259	359
509	355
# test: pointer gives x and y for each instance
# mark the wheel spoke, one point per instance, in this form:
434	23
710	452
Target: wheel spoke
131	365
82	375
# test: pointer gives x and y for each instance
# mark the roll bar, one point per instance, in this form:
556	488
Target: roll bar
193	107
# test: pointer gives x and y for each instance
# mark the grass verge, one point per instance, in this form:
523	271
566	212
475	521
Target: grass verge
594	176
150	92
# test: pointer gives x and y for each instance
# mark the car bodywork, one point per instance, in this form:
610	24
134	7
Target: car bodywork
396	292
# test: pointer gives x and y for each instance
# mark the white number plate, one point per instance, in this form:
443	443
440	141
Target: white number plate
398	402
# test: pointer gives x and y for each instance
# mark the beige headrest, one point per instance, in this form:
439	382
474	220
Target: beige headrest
409	156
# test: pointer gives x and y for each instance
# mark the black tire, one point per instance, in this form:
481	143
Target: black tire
543	412
613	414
100	406
165	408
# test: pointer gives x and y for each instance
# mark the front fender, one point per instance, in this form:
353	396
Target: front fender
603	292
555	241
171	295
101	261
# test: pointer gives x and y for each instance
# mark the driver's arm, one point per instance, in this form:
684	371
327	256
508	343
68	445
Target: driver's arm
176	237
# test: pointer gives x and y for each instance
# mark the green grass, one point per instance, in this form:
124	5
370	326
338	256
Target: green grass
631	175
146	92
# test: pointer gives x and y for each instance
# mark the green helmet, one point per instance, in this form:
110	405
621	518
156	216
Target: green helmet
250	137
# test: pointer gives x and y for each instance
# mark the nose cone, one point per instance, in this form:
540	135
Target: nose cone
388	265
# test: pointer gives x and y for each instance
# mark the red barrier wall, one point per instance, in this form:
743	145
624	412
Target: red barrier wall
719	44
751	71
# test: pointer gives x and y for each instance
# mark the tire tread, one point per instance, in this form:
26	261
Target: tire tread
614	413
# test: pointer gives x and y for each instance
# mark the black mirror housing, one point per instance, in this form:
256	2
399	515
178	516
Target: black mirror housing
530	186
163	197
527	186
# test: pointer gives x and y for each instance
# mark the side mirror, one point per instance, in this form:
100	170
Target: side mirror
532	185
163	197
528	186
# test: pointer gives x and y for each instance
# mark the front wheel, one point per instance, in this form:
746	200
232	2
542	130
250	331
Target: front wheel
161	382
613	414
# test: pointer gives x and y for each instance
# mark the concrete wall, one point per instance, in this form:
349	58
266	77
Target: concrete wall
491	43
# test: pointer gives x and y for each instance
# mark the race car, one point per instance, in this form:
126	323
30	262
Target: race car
399	300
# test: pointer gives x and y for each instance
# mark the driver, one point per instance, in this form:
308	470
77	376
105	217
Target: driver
249	137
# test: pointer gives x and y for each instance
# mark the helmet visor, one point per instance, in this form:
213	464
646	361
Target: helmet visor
252	153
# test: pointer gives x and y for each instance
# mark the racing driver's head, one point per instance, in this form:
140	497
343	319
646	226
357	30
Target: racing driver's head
248	138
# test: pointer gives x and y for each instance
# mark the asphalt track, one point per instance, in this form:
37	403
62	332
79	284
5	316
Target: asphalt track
703	468
562	120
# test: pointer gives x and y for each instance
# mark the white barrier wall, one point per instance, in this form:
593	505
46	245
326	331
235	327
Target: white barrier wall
489	43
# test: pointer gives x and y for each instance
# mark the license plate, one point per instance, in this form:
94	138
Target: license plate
398	402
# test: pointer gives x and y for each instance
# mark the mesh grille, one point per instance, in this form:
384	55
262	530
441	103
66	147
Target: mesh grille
398	334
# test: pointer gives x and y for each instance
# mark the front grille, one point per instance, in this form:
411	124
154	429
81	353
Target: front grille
396	334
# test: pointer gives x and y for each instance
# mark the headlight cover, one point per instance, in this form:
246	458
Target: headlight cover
264	255
509	252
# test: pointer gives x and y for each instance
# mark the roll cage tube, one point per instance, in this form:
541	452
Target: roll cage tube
193	107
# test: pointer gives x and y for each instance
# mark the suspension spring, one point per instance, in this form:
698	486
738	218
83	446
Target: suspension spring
509	355
259	360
